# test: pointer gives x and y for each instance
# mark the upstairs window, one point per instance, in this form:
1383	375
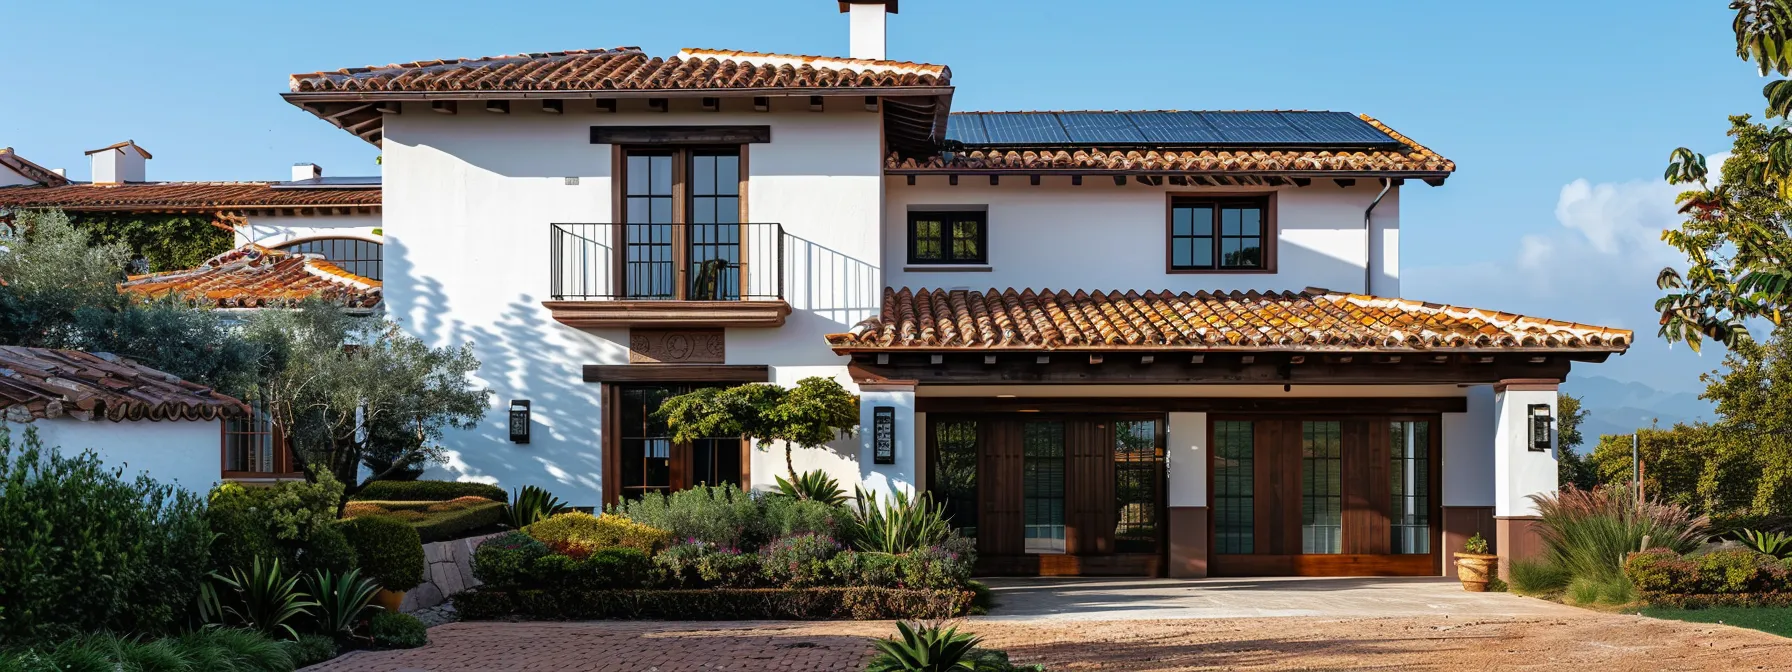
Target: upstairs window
360	257
950	237
1228	234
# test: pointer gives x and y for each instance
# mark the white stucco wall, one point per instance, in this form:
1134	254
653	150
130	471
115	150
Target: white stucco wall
11	178
185	452
467	206
1468	451
1108	237
277	230
1519	472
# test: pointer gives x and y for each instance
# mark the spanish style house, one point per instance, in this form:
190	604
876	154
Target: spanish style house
1150	343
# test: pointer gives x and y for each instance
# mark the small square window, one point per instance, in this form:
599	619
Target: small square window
1226	234
948	237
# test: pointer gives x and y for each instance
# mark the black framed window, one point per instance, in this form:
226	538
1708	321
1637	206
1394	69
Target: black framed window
360	257
714	245
948	237
648	267
954	480
1219	235
1234	502
1138	466
650	461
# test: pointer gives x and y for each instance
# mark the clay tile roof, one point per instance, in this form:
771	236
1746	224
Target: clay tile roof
23	166
625	68
1310	320
120	146
44	383
1410	157
257	277
201	196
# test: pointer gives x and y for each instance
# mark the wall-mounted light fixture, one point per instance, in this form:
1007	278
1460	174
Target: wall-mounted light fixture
519	421
1540	426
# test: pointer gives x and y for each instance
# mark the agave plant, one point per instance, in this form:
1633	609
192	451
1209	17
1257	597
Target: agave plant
813	485
903	525
1776	544
925	648
340	599
266	599
530	505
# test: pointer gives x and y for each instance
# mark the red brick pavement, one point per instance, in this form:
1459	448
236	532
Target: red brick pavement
619	646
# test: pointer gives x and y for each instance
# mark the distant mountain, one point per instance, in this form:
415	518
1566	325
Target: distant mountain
1617	407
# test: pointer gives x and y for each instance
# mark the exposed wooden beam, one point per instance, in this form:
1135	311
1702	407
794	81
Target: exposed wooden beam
1197	359
1043	359
816	104
762	104
911	180
1033	180
937	360
1303	181
1345	182
1076	180
952	180
1435	181
1223	180
1179	180
1297	359
712	104
1119	180
1241	405
1156	180
497	106
1248	359
989	360
1223	370
443	106
553	106
659	104
870	103
995	180
606	105
1201	180
390	107
1095	358
347	111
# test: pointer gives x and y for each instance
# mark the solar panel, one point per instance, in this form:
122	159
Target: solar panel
1336	127
966	128
1257	128
1006	128
1102	128
1175	128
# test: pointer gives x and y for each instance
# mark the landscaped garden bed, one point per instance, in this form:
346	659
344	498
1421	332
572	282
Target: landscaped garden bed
436	520
714	553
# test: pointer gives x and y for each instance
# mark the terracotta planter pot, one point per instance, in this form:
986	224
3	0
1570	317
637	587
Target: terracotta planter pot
390	600
1476	569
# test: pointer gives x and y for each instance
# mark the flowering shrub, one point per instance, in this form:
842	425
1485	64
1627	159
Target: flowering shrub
798	561
1664	576
503	560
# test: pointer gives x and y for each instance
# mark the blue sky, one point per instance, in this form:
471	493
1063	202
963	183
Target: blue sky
1560	115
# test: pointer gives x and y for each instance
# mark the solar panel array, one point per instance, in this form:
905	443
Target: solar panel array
1118	129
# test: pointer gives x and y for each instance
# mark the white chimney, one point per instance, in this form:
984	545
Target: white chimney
60	172
867	20
122	162
306	171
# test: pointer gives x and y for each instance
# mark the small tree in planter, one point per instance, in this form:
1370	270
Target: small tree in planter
390	552
816	411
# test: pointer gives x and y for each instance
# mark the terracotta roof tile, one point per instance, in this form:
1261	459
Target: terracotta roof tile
44	383
257	277
1413	158
182	196
626	68
1311	320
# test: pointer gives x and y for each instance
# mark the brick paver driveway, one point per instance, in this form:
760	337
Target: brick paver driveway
620	646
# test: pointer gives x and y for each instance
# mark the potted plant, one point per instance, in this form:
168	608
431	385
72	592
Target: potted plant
1475	566
390	552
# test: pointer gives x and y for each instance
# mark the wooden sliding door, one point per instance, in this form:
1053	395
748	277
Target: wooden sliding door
1324	496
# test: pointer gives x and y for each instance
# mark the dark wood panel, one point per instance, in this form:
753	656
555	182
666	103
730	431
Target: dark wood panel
679	135
1189	539
1367	499
1323	565
1055	564
1462	522
1089	487
1276	486
677	373
1249	406
1000	528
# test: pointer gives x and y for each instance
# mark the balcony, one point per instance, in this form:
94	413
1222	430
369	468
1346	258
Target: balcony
667	275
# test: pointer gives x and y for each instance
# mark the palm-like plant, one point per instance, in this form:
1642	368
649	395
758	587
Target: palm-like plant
530	505
266	599
900	526
813	485
1776	544
340	599
925	648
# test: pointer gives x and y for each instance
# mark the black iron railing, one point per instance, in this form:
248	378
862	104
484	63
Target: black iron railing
668	262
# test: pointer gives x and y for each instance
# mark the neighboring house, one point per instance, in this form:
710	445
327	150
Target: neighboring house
335	217
136	418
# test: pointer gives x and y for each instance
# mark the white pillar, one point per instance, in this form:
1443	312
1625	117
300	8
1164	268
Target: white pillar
903	475
1519	471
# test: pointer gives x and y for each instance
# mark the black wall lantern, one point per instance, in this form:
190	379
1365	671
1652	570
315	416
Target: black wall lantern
1540	425
519	420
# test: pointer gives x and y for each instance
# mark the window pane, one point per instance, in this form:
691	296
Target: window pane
1179	222
1202	219
1410	483
1229	221
637	175
1234	505
954	481
703	210
1180	254
965	240
703	175
660	209
660	169
1253	221
1137	462
1242	253
728	175
1203	252
927	239
1322	487
728	210
1042	485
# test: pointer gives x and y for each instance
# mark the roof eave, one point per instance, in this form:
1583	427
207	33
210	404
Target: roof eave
300	97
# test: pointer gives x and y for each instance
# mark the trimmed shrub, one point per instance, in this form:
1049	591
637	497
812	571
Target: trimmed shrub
503	560
1727	572
866	568
311	649
729	568
947	565
87	549
397	631
582	533
487	603
611	568
721	515
429	491
786	517
435	521
328	550
799	561
387	551
198	651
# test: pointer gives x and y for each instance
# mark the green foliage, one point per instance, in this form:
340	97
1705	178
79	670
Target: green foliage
397	631
814	486
532	504
291	509
264	599
816	411
924	648
898	526
209	650
611	568
84	549
1727	571
867	569
1658	570
584	533
294	521
946	565
1475	544
1590	533
169	242
436	521
327	550
1537	577
1775	620
718	604
310	650
1573	467
428	491
722	515
341	599
1776	544
1609	590
388	550
785	516
503	560
799	561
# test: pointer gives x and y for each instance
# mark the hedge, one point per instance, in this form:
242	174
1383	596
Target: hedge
435	521
428	491
1724	578
388	550
721	604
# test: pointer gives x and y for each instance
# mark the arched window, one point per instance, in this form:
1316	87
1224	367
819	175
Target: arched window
360	257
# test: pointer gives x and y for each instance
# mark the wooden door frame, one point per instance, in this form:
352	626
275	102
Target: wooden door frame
1333	564
610	443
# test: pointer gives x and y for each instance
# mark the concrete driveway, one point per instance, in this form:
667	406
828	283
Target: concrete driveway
1082	599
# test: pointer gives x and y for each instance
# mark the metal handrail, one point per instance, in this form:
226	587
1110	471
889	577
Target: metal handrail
691	262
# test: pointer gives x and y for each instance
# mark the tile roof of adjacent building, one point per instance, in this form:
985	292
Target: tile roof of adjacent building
253	276
1310	320
1411	157
182	196
45	383
626	68
23	166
